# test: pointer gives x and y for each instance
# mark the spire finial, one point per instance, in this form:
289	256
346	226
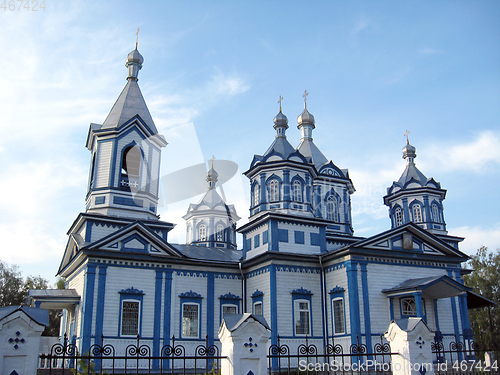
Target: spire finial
136	38
305	98
213	158
279	101
406	135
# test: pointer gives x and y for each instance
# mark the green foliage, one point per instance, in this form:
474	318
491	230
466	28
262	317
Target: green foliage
14	291
85	366
485	280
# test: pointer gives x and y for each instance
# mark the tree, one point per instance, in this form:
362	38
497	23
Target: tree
14	291
485	280
11	285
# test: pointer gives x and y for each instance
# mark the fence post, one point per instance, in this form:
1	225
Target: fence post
244	340
411	338
20	331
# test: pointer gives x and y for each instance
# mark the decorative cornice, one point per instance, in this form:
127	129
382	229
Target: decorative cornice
257	293
131	290
302	291
337	289
190	294
229	296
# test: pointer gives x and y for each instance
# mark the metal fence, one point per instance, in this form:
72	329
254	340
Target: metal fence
464	357
334	358
64	358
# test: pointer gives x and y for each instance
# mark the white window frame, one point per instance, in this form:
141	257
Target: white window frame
229	305
220	233
274	191
335	316
183	328
297	310
398	216
256	194
331	208
435	213
258	303
202	232
297	191
404	303
417	213
138	322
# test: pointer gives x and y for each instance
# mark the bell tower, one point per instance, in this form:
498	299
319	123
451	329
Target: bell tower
125	155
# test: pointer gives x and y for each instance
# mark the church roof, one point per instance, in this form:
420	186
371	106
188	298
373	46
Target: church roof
309	149
280	146
41	316
208	253
129	104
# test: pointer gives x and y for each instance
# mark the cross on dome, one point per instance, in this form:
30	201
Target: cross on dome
305	98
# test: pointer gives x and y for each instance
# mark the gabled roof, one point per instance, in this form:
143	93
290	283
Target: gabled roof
435	287
310	150
40	316
233	321
129	104
209	253
423	242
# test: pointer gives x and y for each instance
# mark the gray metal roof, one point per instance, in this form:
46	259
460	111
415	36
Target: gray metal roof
309	149
435	287
41	316
129	104
233	321
209	253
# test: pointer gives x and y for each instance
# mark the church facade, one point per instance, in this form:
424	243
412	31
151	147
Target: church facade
300	265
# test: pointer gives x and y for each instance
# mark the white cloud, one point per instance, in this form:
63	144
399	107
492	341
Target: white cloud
475	237
477	155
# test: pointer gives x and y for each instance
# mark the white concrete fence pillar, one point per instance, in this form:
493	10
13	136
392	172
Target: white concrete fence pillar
411	338
244	340
20	331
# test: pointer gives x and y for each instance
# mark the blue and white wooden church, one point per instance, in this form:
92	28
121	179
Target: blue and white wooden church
300	265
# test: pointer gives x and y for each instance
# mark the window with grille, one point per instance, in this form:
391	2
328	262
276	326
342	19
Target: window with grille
399	217
274	192
435	213
190	321
130	318
302	321
297	191
338	316
417	213
331	208
220	232
202	232
256	195
229	309
408	306
257	308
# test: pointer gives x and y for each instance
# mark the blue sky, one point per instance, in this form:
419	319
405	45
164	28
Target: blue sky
212	76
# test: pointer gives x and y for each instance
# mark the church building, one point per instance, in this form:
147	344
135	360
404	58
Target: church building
300	265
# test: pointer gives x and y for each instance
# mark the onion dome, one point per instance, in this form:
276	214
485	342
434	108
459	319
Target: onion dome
305	118
134	63
280	120
212	178
409	153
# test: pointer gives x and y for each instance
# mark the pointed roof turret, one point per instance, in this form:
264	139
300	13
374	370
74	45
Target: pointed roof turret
411	171
307	147
130	103
280	144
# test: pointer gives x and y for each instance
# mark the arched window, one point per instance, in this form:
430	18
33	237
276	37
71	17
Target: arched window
274	191
202	231
331	208
256	194
131	167
408	306
399	217
220	232
297	191
417	213
435	213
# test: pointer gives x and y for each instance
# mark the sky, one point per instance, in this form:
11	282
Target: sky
212	75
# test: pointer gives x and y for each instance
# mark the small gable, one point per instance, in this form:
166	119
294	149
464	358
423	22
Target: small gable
135	243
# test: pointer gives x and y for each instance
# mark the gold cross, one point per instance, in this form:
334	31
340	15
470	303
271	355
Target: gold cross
279	101
136	38
406	135
213	158
305	98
